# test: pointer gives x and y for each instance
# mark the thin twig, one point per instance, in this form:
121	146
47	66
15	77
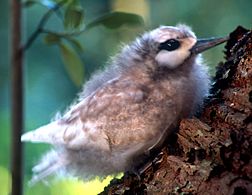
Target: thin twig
64	34
41	25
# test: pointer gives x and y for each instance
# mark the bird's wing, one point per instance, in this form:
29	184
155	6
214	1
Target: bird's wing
119	112
101	114
125	111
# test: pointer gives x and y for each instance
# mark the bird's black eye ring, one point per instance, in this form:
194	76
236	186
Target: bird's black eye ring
169	45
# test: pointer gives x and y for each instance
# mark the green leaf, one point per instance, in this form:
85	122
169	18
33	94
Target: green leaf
116	20
52	39
73	64
76	44
73	17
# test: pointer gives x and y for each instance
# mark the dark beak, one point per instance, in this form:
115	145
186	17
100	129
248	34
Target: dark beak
205	44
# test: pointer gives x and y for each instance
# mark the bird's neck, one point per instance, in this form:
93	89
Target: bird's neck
164	73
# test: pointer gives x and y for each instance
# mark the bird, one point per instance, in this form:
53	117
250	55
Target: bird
128	108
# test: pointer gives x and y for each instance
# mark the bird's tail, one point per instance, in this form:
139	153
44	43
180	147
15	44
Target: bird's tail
50	163
53	161
51	133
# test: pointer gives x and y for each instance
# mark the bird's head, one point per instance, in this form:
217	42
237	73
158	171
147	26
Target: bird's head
170	46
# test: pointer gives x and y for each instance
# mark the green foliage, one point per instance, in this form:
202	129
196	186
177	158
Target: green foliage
117	19
71	57
73	21
75	44
5	181
73	64
67	187
52	39
74	16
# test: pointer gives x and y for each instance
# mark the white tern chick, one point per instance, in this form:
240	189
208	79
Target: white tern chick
130	107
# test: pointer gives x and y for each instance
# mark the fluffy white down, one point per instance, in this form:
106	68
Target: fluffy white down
91	161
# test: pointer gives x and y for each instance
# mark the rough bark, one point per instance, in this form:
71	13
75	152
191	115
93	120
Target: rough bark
211	154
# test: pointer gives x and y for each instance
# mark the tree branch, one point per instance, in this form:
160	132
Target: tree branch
41	25
16	97
64	34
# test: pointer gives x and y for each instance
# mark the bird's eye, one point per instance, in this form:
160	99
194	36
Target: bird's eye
169	45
